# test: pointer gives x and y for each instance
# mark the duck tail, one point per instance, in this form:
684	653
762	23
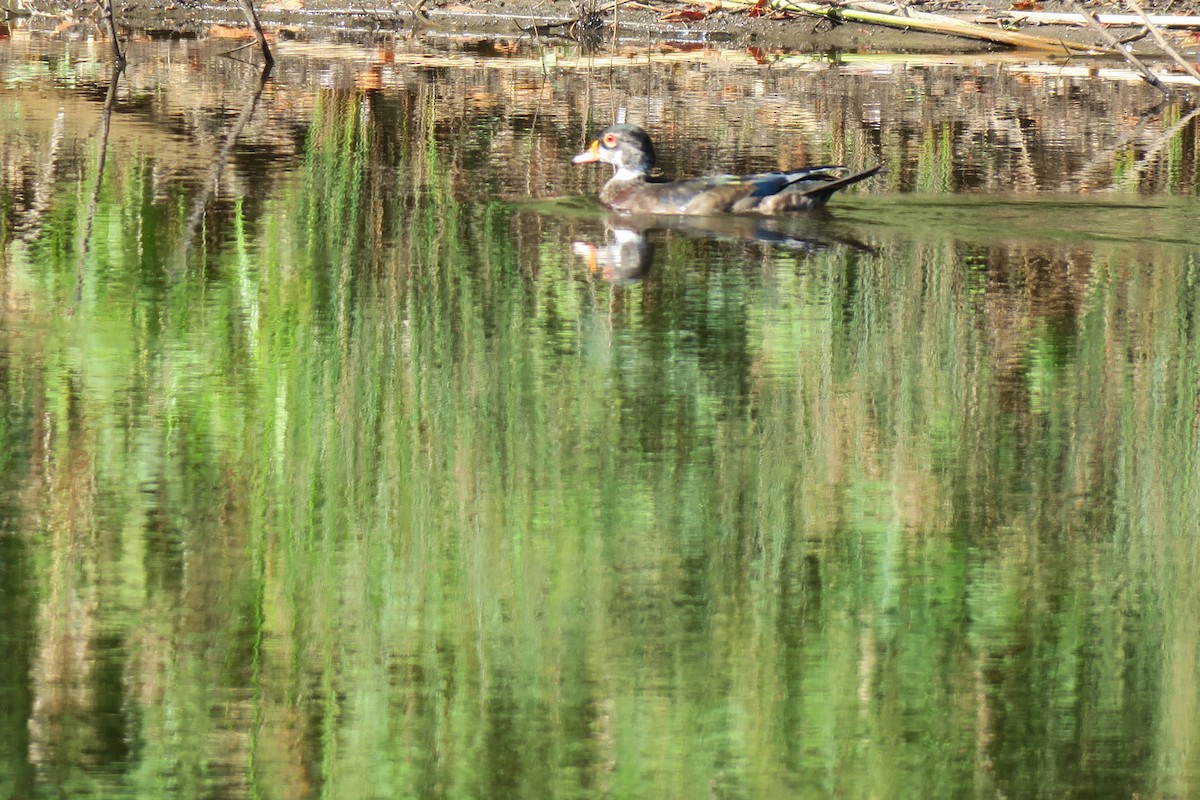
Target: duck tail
816	196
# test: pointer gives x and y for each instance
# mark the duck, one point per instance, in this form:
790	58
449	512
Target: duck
632	190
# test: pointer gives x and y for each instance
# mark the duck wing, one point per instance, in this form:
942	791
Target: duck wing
763	192
708	195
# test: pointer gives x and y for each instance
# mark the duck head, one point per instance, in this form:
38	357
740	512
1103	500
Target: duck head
626	147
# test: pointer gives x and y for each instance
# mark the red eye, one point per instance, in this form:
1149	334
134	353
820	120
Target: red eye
610	139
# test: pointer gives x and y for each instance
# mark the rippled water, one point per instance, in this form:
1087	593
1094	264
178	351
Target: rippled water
349	451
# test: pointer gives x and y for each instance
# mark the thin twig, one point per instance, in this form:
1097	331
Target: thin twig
1134	61
1064	18
247	7
110	23
1162	41
1135	37
238	49
916	20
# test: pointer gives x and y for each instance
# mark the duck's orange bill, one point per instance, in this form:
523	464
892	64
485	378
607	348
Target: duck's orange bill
588	253
589	155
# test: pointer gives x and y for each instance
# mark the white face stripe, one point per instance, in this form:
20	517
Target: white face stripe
626	236
626	174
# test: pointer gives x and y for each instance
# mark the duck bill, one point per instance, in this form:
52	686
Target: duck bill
589	155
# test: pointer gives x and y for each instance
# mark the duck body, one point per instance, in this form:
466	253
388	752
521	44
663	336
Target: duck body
631	189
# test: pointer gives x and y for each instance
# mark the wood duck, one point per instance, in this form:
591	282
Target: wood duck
632	190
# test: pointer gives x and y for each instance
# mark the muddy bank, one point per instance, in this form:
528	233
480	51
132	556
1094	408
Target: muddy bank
550	21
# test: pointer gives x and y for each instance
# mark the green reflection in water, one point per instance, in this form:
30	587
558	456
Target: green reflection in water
376	491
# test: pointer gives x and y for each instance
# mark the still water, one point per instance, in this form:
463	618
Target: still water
349	453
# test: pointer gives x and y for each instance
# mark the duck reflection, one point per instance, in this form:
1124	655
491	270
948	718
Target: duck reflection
625	259
628	254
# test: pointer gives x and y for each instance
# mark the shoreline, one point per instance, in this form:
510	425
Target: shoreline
554	21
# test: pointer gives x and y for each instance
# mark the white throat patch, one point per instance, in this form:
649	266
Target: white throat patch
626	174
626	236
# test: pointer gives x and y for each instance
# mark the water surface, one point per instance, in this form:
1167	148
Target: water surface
349	453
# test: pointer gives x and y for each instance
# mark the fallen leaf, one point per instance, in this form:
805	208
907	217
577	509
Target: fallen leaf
683	15
228	32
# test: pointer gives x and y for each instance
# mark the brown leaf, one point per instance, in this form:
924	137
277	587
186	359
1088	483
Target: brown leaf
228	32
683	15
